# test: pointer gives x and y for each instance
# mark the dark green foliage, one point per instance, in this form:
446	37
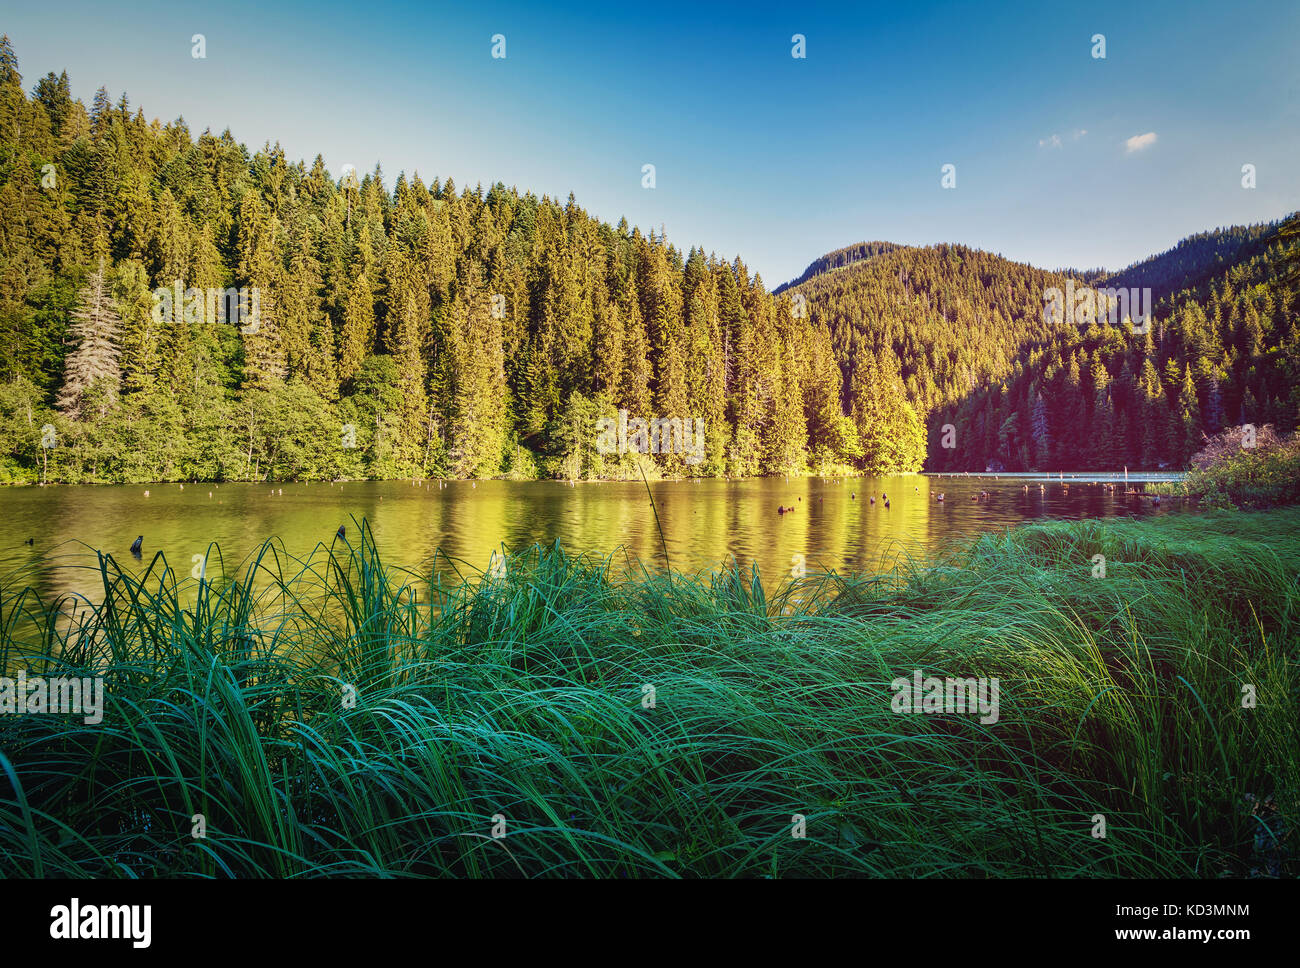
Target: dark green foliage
1245	477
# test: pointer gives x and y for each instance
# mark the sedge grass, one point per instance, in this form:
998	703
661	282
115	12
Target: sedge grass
339	717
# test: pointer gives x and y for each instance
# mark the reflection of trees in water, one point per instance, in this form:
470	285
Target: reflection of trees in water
454	529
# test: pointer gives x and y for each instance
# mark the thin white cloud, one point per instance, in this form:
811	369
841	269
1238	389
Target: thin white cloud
1139	142
1057	141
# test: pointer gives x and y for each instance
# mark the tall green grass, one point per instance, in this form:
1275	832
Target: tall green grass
522	696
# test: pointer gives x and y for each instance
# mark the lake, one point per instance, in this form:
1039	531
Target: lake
834	525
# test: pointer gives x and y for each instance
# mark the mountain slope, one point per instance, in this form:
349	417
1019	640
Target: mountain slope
1194	261
967	334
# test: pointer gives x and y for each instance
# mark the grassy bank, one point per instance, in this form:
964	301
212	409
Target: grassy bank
520	702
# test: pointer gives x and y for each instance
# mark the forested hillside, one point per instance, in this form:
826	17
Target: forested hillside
425	329
418	330
1224	351
1195	261
967	332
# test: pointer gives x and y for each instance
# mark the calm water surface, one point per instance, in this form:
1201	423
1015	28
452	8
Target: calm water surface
834	524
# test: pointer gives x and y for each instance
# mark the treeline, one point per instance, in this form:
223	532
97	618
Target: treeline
1005	389
423	330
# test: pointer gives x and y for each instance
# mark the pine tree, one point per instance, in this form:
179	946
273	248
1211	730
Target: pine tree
608	349
408	332
635	391
265	362
478	438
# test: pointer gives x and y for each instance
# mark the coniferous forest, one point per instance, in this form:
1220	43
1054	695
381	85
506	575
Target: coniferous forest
964	330
425	329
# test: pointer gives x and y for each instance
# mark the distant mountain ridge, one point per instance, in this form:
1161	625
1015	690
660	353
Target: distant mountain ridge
837	260
1189	262
1195	260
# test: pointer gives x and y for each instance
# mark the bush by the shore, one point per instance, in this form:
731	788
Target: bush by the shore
1243	468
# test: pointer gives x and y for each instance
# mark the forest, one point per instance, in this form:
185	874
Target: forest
1222	351
966	332
433	330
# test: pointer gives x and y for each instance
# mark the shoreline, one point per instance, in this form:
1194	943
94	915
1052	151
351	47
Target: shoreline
1082	477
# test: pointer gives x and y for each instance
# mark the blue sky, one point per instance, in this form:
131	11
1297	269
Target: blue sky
756	153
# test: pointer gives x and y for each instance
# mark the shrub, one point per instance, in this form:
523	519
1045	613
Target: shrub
1226	473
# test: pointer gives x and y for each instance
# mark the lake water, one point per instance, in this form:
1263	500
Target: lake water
834	525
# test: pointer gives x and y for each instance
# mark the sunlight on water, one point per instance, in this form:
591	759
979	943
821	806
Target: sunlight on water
834	524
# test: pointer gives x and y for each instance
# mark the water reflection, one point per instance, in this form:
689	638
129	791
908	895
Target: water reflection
834	524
